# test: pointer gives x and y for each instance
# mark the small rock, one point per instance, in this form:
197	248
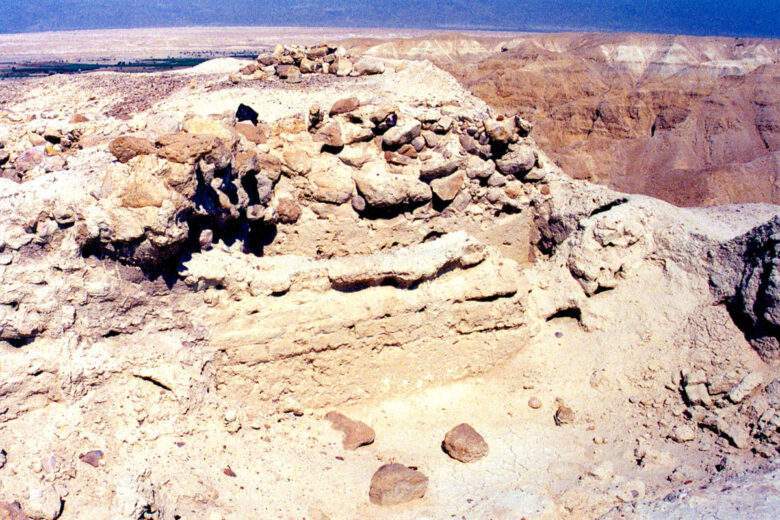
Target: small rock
356	433
465	444
3	458
447	188
79	118
344	106
403	132
229	472
604	471
330	135
43	503
397	484
697	394
682	433
564	415
257	134
287	211
126	147
518	161
369	65
745	387
246	113
535	403
92	458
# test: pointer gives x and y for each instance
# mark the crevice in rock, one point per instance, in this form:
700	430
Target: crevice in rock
566	313
154	381
607	207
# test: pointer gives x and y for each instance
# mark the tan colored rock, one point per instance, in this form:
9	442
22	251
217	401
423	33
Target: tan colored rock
332	181
344	106
296	161
403	132
518	161
126	147
208	126
463	443
343	67
564	415
287	210
257	134
186	148
394	484
368	65
383	189
330	135
356	433
447	188
535	403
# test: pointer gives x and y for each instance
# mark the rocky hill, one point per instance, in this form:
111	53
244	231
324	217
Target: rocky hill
693	121
329	286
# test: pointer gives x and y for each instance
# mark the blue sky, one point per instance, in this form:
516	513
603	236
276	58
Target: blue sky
705	17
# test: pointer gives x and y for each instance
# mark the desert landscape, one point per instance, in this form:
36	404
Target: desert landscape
393	276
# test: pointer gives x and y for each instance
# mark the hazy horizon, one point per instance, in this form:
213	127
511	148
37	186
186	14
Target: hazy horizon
749	18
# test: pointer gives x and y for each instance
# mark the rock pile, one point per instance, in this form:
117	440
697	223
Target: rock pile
291	63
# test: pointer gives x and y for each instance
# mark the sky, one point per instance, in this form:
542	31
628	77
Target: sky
700	17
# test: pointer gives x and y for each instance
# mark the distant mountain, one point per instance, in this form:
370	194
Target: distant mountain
705	17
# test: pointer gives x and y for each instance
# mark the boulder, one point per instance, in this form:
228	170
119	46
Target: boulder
356	433
343	106
290	73
126	147
343	67
330	135
518	161
356	155
438	166
397	484
369	65
499	132
404	131
208	126
246	113
257	134
186	148
382	189
447	188
465	444
331	181
308	66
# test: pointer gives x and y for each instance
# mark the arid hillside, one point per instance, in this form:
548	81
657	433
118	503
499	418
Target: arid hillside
694	121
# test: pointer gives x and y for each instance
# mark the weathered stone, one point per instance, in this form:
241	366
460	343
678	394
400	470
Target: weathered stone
369	65
397	484
332	182
383	189
186	148
447	188
257	134
356	433
518	161
308	66
439	167
682	433
535	403
698	395
43	502
12	511
403	132
296	161
465	444
343	67
289	73
92	458
330	135
564	415
126	147
397	158
499	131
287	211
246	113
745	387
344	106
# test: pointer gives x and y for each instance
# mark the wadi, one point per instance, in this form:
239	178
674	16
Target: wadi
338	281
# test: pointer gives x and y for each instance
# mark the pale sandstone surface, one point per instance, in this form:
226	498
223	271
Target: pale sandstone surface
195	312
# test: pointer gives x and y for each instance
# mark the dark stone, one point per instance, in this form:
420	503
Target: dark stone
246	113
